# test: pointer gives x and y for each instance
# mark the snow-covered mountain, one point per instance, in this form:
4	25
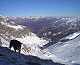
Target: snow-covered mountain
63	30
31	41
38	24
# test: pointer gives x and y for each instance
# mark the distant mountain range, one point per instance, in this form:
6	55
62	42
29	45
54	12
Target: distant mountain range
47	27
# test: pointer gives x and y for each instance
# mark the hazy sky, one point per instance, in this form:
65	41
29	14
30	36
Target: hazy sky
40	7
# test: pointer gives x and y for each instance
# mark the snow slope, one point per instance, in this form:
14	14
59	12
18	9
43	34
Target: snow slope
8	57
12	26
33	42
72	36
68	51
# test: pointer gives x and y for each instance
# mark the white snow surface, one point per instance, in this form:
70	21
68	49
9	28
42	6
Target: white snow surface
72	36
13	26
68	51
16	27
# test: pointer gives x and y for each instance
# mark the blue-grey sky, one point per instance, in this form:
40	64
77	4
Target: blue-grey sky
40	7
